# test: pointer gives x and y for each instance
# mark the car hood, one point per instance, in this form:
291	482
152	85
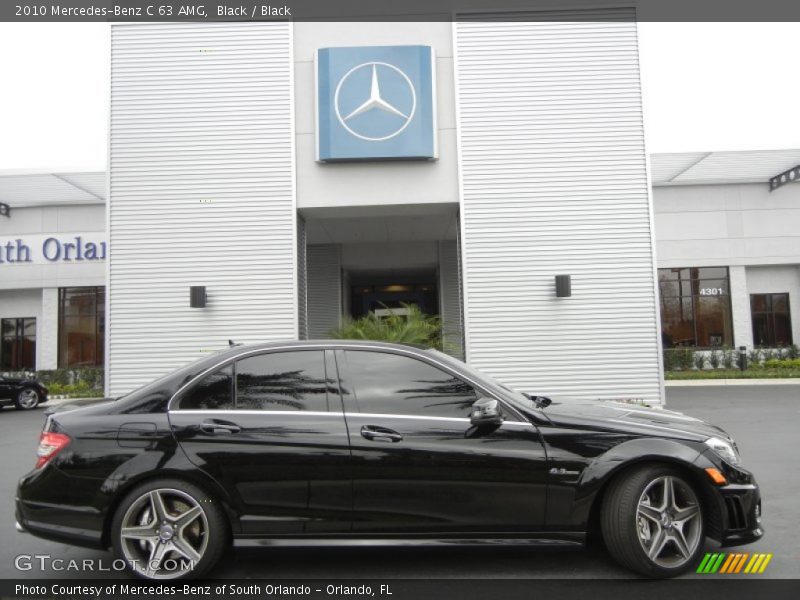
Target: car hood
630	418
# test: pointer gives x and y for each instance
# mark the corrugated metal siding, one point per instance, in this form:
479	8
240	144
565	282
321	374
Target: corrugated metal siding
302	280
450	298
324	289
554	182
201	192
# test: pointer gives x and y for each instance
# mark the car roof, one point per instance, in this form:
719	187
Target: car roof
325	343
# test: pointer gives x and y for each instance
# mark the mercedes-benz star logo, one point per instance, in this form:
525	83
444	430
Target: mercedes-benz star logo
401	110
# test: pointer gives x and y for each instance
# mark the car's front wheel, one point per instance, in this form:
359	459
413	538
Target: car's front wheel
652	522
169	529
27	399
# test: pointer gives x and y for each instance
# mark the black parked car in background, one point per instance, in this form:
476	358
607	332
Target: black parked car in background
25	394
339	442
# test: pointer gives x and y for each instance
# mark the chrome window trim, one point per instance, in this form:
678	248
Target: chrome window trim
226	411
233	411
394	416
403	351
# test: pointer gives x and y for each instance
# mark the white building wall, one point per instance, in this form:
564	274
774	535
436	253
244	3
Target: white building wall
554	182
31	289
718	225
40	222
201	193
47	330
752	231
740	307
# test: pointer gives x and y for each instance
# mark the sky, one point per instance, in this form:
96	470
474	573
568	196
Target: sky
705	87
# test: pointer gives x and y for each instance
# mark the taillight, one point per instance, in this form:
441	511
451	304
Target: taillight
50	444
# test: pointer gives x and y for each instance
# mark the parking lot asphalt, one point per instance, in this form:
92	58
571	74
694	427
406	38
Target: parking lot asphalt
764	420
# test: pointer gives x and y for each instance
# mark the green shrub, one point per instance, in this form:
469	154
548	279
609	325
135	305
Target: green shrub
770	354
782	363
679	358
729	358
793	351
754	356
714	359
414	328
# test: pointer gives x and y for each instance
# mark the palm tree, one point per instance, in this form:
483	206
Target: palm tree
411	327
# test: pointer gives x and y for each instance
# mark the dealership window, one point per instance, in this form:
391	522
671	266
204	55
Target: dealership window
772	322
18	344
280	381
393	384
695	307
81	327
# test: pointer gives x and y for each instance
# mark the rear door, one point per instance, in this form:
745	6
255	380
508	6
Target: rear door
269	427
418	467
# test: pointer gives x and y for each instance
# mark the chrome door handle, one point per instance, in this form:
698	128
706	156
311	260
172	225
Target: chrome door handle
215	426
380	434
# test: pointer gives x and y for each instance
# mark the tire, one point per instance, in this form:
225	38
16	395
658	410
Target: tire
27	399
647	533
165	547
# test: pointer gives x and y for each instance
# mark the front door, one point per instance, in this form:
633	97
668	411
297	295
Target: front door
417	465
269	428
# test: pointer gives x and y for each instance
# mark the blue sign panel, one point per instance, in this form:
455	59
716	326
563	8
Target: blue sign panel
376	103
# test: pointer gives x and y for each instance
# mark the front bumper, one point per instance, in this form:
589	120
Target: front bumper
742	514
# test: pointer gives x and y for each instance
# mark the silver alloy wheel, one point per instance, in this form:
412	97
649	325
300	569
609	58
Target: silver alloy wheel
28	398
164	534
669	522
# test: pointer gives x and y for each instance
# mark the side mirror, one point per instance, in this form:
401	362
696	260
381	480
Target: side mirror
486	411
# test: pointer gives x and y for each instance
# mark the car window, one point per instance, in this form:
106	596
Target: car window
212	392
387	383
280	381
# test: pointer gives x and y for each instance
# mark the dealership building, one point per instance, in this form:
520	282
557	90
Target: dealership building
267	180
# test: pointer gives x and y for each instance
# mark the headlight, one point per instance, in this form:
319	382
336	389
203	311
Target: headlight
725	450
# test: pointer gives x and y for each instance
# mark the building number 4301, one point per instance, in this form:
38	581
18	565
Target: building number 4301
711	292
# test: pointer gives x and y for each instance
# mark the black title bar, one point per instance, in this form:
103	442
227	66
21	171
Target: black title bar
730	588
147	11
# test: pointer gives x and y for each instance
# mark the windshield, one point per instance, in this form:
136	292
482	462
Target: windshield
491	382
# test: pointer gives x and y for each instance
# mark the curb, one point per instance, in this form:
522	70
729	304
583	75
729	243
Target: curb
722	382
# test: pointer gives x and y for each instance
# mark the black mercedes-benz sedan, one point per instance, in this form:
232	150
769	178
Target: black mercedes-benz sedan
23	393
339	442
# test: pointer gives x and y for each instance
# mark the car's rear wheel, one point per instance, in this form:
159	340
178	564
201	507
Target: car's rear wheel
652	522
169	529
28	398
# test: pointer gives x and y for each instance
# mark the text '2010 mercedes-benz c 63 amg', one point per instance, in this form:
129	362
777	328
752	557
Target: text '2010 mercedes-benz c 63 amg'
337	442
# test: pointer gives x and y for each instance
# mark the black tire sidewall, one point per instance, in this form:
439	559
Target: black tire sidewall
18	404
621	503
218	528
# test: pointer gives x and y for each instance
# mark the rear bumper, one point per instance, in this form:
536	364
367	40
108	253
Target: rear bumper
73	519
742	510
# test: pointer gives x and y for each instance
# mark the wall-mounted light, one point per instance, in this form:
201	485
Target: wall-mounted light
5	210
563	286
197	296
